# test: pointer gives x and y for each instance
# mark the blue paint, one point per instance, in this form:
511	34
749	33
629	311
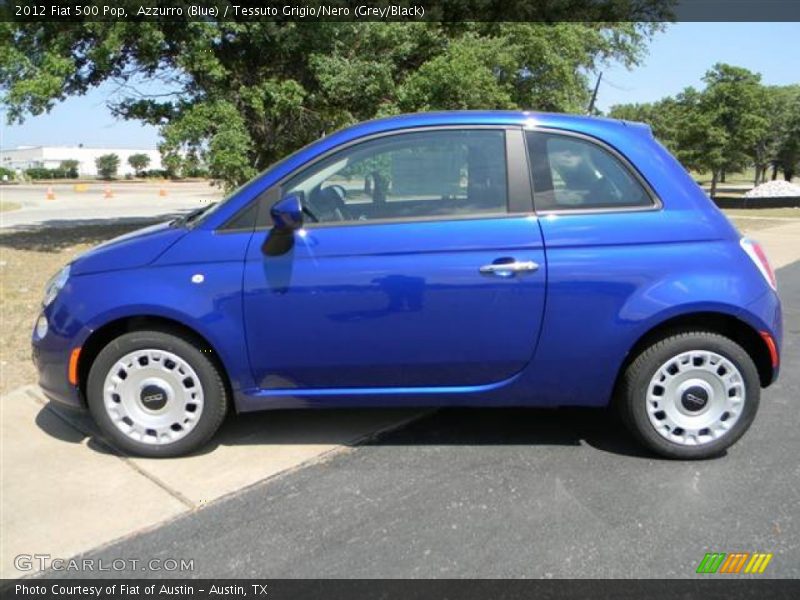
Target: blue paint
397	313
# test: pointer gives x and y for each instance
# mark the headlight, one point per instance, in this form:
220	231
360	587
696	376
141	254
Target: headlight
55	285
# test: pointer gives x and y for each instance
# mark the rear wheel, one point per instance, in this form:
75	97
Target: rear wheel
156	394
690	395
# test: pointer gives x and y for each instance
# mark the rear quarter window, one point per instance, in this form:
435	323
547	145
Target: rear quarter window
574	173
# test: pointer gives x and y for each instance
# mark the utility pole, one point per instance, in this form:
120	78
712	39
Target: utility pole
594	94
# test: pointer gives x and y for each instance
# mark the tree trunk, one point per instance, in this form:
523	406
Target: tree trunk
788	174
774	172
759	170
722	177
714	175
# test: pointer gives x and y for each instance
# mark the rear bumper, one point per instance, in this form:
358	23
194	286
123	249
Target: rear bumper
766	316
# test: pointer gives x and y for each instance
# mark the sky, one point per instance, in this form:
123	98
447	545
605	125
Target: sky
676	58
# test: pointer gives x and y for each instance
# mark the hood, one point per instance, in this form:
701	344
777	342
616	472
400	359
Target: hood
135	249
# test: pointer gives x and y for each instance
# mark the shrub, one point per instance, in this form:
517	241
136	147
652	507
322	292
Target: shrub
58	173
139	162
39	173
70	168
156	173
196	172
107	165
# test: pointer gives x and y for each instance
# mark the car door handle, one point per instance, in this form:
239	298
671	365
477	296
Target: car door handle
509	269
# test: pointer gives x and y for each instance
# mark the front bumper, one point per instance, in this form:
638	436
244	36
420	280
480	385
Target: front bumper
51	354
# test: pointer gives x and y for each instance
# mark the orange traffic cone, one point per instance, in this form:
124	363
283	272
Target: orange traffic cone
108	193
162	191
51	195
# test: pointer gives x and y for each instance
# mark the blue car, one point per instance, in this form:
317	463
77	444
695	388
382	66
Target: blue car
441	259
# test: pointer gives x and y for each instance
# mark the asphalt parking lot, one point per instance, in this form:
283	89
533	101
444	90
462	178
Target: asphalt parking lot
509	493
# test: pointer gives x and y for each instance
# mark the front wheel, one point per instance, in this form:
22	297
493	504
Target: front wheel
156	394
690	395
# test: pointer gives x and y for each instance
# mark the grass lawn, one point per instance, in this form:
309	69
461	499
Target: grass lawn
27	260
760	213
743	178
747	226
754	219
6	205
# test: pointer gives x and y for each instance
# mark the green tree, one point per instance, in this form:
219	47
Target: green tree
785	125
69	167
734	100
724	127
664	118
139	162
107	165
248	93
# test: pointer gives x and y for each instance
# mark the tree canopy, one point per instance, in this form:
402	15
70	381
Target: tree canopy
239	95
734	122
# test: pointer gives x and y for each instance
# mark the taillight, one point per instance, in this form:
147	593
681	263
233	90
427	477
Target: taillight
757	255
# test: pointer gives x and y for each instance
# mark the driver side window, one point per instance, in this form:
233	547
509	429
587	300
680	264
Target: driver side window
408	176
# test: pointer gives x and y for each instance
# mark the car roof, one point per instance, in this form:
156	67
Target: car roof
571	122
602	128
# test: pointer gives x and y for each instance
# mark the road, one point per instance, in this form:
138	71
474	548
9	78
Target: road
509	493
128	200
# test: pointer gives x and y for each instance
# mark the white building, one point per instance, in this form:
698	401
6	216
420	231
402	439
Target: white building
50	157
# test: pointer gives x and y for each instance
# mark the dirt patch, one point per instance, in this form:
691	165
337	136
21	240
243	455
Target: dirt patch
27	260
764	213
748	224
7	205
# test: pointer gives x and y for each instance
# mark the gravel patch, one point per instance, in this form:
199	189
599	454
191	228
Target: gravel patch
774	189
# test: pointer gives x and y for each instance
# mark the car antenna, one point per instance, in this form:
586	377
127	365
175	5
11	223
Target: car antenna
590	111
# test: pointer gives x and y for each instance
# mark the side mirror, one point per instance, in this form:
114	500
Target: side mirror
287	213
287	217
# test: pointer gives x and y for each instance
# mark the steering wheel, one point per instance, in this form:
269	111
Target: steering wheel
327	204
340	191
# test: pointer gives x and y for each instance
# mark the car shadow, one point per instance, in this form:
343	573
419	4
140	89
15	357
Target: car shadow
571	427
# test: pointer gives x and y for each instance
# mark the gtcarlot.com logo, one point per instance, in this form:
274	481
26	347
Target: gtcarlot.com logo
42	562
734	563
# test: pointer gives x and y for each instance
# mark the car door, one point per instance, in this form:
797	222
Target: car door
420	264
608	244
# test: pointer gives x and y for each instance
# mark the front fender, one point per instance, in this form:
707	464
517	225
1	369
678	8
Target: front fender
205	299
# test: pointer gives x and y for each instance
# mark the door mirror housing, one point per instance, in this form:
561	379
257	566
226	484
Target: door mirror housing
287	217
287	213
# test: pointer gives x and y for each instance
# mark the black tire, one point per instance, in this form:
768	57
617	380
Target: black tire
632	393
215	397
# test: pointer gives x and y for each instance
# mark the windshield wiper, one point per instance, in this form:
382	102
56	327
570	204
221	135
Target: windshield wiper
191	216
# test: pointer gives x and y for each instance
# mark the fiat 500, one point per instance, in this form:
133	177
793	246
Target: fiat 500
442	259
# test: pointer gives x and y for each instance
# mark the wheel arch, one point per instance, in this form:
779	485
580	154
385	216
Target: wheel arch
111	330
722	323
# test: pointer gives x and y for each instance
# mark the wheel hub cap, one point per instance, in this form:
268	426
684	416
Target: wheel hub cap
153	396
695	397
